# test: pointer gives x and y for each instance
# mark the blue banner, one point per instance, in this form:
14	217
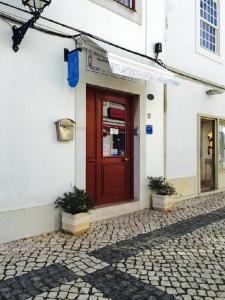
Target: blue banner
73	68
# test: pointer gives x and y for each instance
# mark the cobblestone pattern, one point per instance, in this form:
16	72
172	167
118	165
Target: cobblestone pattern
125	249
188	265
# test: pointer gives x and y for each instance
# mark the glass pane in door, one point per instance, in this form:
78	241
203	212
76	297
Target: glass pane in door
113	129
221	154
207	155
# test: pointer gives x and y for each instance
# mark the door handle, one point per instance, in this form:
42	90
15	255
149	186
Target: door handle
126	159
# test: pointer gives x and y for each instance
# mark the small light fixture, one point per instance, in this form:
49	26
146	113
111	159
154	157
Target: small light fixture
36	8
213	92
158	49
36	5
150	97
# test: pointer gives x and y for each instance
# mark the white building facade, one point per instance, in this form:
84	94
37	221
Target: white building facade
194	118
111	154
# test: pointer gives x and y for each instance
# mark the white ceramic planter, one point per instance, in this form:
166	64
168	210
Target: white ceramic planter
75	224
161	202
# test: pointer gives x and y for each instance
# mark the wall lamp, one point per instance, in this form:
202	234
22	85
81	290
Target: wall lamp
214	92
36	8
150	97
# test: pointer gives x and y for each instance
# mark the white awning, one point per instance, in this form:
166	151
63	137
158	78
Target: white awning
131	65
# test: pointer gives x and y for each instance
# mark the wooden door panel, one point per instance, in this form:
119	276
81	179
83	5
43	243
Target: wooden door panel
91	126
109	146
91	167
114	178
91	179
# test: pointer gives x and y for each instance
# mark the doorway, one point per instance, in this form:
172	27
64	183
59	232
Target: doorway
207	154
109	150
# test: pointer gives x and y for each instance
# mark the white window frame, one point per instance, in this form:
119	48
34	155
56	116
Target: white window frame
211	25
123	10
216	56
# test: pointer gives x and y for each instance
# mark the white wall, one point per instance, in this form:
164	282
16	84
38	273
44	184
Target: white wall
155	141
35	168
189	99
95	19
155	26
182	43
185	103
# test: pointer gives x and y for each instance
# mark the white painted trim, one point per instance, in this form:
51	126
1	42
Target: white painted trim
201	195
117	85
107	212
28	222
32	221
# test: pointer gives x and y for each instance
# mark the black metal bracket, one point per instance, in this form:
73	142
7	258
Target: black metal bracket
66	53
19	32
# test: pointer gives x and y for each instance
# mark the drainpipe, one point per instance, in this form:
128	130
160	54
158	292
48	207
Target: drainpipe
146	36
165	128
165	99
75	140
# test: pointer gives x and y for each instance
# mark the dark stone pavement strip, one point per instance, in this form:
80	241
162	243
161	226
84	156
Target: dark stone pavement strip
35	283
110	281
125	249
118	285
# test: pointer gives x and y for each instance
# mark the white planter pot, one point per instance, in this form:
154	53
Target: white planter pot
75	224
161	202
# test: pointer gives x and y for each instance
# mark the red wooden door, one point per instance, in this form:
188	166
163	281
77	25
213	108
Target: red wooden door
109	146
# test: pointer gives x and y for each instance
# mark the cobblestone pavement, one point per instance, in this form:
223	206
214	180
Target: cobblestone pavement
146	255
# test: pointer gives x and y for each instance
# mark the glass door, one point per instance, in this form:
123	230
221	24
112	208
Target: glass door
207	155
114	129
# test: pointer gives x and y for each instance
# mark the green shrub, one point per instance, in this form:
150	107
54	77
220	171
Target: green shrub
75	202
160	186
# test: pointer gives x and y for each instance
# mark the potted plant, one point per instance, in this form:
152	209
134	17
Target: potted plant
75	205
162	192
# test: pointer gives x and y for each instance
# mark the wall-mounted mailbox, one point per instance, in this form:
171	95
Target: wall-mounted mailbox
65	130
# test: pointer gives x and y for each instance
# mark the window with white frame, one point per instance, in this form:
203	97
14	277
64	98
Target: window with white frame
129	9
209	25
